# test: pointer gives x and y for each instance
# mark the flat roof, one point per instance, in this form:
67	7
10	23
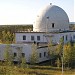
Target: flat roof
46	32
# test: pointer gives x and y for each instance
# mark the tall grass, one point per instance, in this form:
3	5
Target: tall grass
34	70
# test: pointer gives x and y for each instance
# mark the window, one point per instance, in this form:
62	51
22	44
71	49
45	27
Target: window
66	38
40	55
44	54
38	38
63	37
52	25
23	54
24	37
15	54
73	36
32	37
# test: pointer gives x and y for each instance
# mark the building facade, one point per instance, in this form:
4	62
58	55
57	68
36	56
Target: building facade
51	24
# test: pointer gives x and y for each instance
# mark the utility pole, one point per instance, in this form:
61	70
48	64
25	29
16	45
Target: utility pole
46	30
62	58
62	65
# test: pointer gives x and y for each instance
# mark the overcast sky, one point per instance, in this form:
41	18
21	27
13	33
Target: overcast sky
25	11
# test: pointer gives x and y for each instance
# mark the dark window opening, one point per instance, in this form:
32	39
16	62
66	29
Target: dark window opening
66	37
40	55
52	25
23	54
63	37
15	54
38	38
32	37
24	37
44	54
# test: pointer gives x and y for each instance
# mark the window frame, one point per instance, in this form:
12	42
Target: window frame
15	54
53	24
44	54
73	36
38	38
24	37
32	38
23	54
40	55
66	37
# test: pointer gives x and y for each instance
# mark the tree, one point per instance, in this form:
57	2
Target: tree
8	55
7	37
69	55
3	39
58	62
19	49
34	55
23	62
73	57
21	59
59	51
51	51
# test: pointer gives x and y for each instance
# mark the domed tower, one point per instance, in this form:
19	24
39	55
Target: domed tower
51	18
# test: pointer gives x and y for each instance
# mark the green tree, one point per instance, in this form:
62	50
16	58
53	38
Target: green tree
69	55
59	52
58	62
7	37
19	49
3	39
34	56
23	62
51	51
8	55
73	57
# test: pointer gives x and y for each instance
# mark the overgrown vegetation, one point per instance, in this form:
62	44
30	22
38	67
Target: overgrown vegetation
34	56
35	70
22	68
7	32
65	51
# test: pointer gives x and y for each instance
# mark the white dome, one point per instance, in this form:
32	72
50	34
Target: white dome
51	18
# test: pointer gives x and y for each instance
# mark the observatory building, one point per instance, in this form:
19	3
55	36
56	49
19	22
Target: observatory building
51	19
51	24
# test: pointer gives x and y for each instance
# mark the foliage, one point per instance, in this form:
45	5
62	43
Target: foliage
36	70
58	62
21	59
23	62
51	51
7	37
69	55
34	56
19	50
8	55
9	30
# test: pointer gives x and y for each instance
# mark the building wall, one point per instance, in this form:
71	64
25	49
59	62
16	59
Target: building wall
44	38
27	48
19	37
23	48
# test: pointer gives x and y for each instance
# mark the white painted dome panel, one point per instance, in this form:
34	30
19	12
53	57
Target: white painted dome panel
49	15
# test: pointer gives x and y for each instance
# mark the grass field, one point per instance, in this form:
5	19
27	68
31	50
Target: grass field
34	70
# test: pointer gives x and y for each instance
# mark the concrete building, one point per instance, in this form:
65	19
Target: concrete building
51	24
25	50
